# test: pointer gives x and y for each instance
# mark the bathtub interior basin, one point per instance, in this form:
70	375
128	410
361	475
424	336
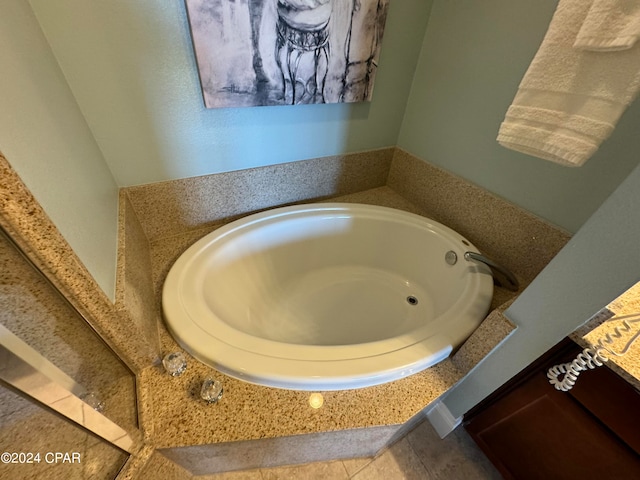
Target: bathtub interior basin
325	296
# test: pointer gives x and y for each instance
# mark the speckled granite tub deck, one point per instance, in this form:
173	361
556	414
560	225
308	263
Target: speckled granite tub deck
255	426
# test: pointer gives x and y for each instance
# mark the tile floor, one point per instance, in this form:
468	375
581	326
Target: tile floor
420	455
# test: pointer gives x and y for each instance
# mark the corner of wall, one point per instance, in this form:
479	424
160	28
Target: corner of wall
512	236
442	420
135	295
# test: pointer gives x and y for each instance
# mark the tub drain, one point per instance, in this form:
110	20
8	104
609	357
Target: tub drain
411	300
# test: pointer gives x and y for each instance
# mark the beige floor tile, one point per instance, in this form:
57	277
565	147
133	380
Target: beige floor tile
454	457
310	471
397	463
420	455
354	465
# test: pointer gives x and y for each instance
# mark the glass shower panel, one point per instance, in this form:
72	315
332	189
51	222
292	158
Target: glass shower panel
33	310
36	443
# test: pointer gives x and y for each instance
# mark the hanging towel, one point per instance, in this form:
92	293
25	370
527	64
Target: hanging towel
572	96
610	25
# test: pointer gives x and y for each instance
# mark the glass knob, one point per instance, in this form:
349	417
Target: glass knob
175	363
211	390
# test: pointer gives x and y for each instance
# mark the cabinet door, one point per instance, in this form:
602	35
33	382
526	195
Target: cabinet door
532	431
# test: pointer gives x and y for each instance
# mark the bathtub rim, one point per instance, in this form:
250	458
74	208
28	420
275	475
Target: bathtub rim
408	353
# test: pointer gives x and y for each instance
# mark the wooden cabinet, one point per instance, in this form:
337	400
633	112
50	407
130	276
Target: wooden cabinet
529	430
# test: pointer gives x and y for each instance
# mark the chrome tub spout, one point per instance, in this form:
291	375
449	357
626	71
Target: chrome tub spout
508	280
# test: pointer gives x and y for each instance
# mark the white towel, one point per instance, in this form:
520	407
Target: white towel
572	96
610	25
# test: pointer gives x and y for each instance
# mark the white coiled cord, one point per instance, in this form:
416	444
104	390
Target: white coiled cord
587	359
591	358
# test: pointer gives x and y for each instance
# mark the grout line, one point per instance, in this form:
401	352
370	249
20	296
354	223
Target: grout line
371	459
419	457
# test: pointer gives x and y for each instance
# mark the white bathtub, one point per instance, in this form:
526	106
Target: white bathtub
325	296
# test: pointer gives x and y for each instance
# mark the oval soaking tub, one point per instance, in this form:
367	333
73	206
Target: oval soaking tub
325	296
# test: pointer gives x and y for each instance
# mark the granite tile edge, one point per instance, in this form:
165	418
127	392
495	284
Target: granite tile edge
135	464
282	451
160	467
494	330
145	407
121	252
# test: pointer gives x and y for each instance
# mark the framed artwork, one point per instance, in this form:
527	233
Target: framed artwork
286	52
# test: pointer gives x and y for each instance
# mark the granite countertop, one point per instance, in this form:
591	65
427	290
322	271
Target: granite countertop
249	412
176	416
605	323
